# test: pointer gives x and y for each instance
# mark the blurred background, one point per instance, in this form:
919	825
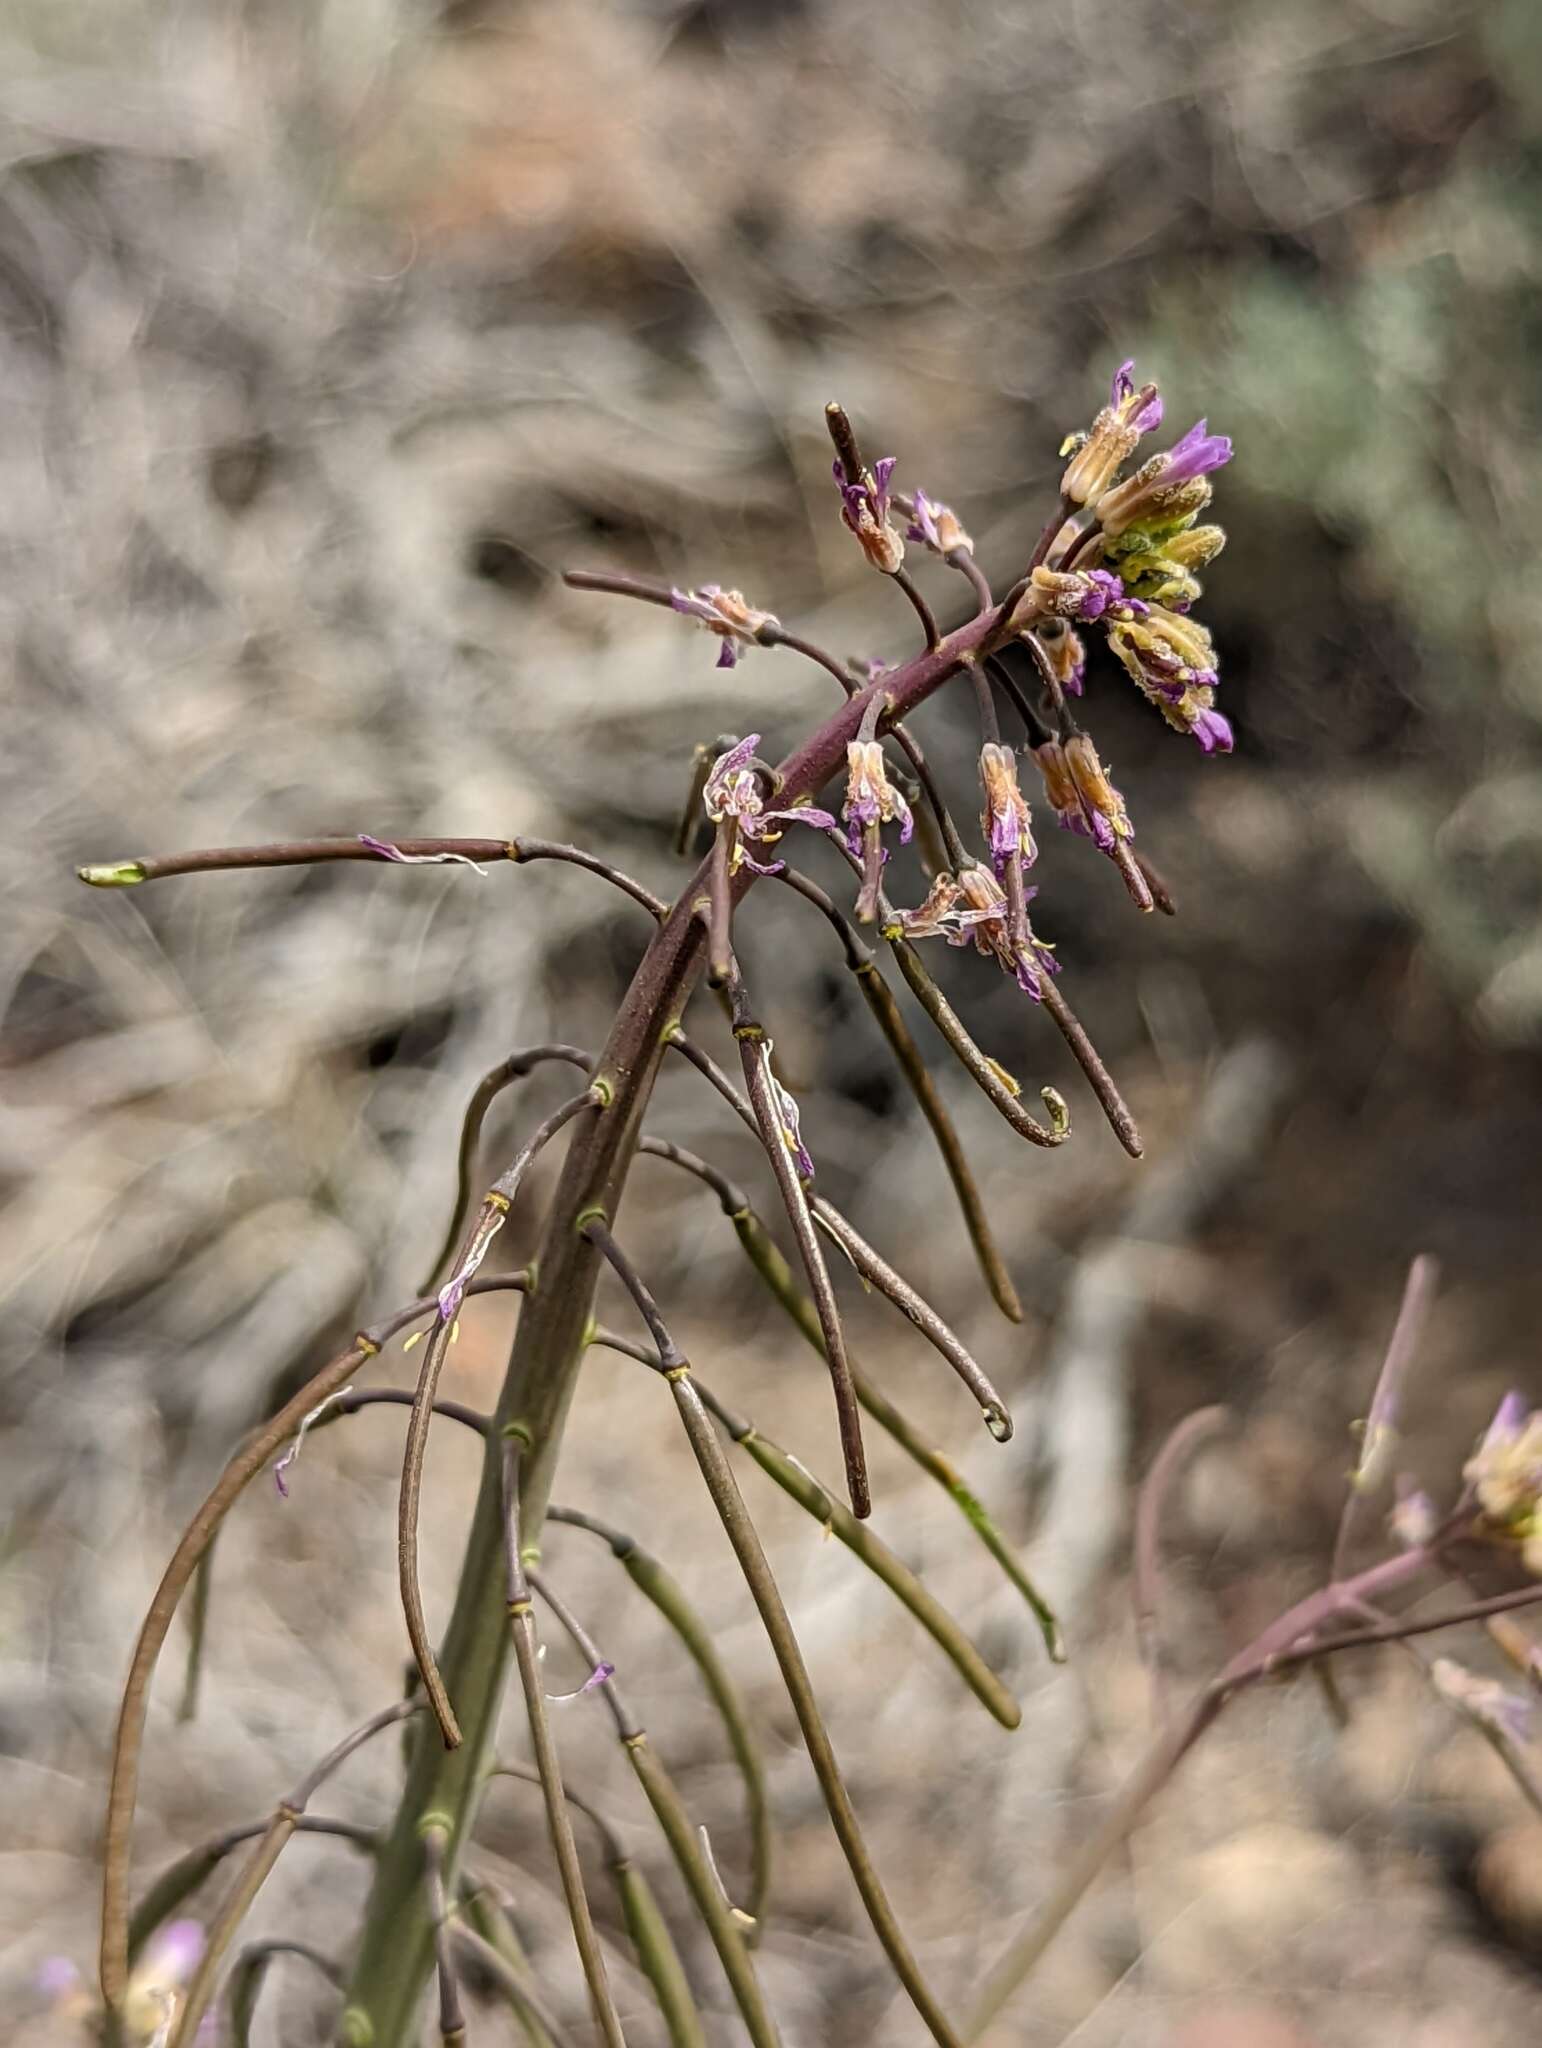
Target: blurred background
332	331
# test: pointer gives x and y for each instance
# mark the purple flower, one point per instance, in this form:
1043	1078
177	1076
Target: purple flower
723	612
936	526
871	798
1211	730
732	791
1141	409
1170	484
1097	457
865	509
1196	454
597	1677
987	922
283	1465
1005	820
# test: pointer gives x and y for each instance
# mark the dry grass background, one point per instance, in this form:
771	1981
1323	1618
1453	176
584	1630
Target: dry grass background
331	332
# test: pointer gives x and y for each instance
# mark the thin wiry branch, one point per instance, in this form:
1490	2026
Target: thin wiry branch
250	1974
254	1872
483	1096
489	1220
179	1880
754	1052
1175	1453
733	1514
659	1586
879	998
527	1659
722	1921
776	1274
127	874
252	1456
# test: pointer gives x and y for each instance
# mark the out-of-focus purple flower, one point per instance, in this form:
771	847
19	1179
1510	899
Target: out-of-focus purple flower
936	526
871	798
387	851
1061	645
865	509
725	613
732	790
1097	459
1498	1709
1005	821
158	1981
1414	1517
1505	1473
60	1982
1152	492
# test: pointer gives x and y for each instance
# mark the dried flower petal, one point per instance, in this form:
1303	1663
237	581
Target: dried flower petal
387	851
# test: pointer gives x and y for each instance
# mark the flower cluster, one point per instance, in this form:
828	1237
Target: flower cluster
1505	1474
1129	563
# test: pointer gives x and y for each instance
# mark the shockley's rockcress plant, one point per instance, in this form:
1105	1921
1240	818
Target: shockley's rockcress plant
1118	556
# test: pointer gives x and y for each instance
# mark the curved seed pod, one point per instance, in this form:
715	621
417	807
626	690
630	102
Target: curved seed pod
993	1080
882	1275
864	1543
674	1822
659	1957
773	1270
886	1013
499	1949
659	1586
770	1117
197	1636
250	1973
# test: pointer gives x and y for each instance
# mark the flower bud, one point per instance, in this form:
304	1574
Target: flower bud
1115	434
1063	650
1005	819
1094	788
1166	485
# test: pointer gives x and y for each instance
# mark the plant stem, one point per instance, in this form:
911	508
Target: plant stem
396	1949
